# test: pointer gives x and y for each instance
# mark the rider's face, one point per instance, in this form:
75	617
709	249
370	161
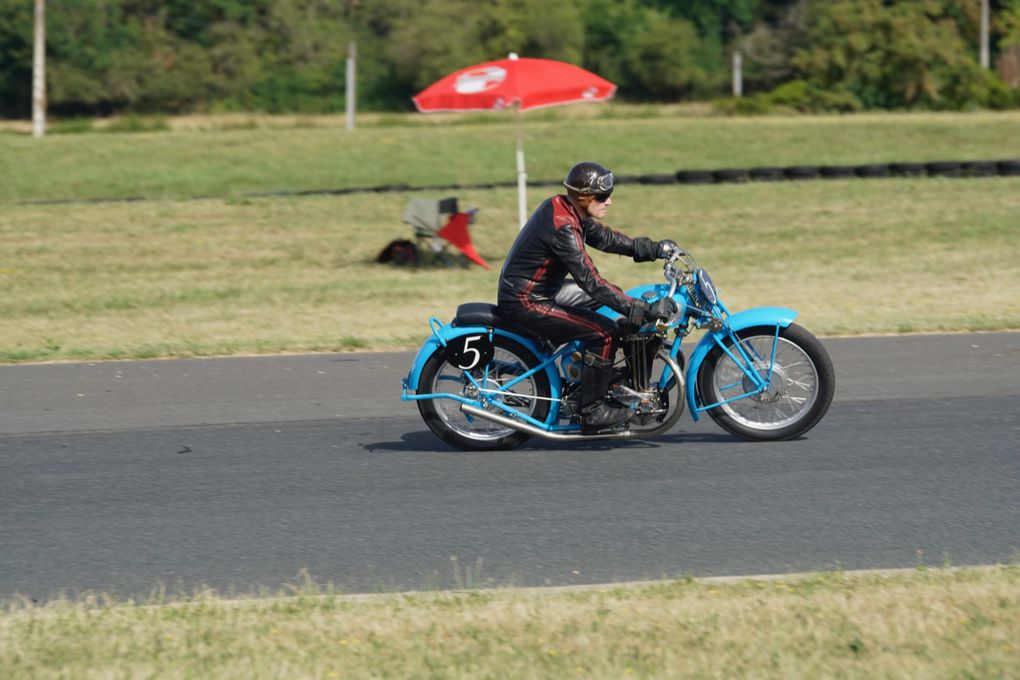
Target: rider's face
596	208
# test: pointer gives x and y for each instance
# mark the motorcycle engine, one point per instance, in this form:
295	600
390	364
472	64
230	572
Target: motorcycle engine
572	365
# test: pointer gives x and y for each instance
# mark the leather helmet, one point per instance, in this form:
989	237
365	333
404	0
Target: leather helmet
588	177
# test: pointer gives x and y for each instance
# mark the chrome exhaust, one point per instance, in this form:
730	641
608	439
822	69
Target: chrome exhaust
559	436
537	431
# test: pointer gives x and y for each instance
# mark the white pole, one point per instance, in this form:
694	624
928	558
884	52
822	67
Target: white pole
39	71
738	75
522	176
984	34
352	55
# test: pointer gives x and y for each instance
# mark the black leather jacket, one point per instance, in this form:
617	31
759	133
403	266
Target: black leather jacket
551	245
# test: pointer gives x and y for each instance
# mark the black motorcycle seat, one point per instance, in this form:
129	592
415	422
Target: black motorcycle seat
478	314
485	314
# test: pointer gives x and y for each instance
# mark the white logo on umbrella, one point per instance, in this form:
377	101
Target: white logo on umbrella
479	80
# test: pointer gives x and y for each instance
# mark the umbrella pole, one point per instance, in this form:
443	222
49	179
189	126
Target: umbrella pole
522	175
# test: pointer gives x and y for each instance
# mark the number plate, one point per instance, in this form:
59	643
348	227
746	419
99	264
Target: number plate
469	351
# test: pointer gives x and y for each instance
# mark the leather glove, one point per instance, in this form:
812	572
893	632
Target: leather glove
638	309
642	312
666	248
663	308
645	249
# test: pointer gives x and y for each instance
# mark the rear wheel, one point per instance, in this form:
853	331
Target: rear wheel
510	359
801	384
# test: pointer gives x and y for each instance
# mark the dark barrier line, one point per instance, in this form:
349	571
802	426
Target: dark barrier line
1000	168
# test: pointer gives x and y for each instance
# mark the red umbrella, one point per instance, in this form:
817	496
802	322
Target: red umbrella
524	83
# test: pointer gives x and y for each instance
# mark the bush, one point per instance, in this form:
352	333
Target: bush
999	97
885	55
794	94
834	101
754	105
798	95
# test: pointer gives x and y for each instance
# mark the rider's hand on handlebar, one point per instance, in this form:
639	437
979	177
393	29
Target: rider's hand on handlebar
663	308
647	312
666	248
643	311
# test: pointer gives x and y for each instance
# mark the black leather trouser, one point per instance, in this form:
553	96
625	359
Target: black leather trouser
569	316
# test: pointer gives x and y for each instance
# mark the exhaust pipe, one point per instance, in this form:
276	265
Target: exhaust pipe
559	436
537	431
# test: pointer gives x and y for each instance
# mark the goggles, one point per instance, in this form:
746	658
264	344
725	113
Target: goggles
601	187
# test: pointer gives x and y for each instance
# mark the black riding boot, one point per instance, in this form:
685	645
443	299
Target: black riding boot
596	414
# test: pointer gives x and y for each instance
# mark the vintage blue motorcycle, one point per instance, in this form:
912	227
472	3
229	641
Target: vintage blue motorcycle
482	383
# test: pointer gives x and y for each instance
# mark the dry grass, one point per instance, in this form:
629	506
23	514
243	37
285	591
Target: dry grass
271	275
943	624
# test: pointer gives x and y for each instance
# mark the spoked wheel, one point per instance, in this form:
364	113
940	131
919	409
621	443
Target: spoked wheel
801	384
510	359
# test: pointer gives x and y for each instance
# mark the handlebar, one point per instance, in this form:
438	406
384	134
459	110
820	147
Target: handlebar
679	263
672	273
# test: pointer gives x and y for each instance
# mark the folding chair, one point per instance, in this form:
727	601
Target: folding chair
439	224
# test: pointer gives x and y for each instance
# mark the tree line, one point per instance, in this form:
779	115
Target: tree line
176	56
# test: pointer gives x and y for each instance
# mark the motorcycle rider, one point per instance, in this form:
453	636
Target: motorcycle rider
534	293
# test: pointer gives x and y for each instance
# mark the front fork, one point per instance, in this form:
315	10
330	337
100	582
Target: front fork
748	365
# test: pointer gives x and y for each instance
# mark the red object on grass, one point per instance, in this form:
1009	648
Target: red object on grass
456	232
527	83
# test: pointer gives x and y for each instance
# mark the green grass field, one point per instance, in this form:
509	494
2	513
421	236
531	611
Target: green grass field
215	277
426	150
928	624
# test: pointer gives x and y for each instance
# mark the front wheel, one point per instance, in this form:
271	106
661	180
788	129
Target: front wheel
510	359
801	383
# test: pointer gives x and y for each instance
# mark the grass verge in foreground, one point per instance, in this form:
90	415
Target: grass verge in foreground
941	623
165	278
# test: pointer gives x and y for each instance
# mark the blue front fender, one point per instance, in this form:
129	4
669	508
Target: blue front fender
759	316
444	333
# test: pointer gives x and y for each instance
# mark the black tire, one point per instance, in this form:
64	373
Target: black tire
800	172
745	418
731	175
872	171
944	169
443	416
695	177
1009	168
907	169
837	172
766	174
388	188
981	169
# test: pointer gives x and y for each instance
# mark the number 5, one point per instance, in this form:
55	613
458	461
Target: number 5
469	348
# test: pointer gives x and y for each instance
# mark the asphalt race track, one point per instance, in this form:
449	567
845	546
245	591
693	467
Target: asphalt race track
240	473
